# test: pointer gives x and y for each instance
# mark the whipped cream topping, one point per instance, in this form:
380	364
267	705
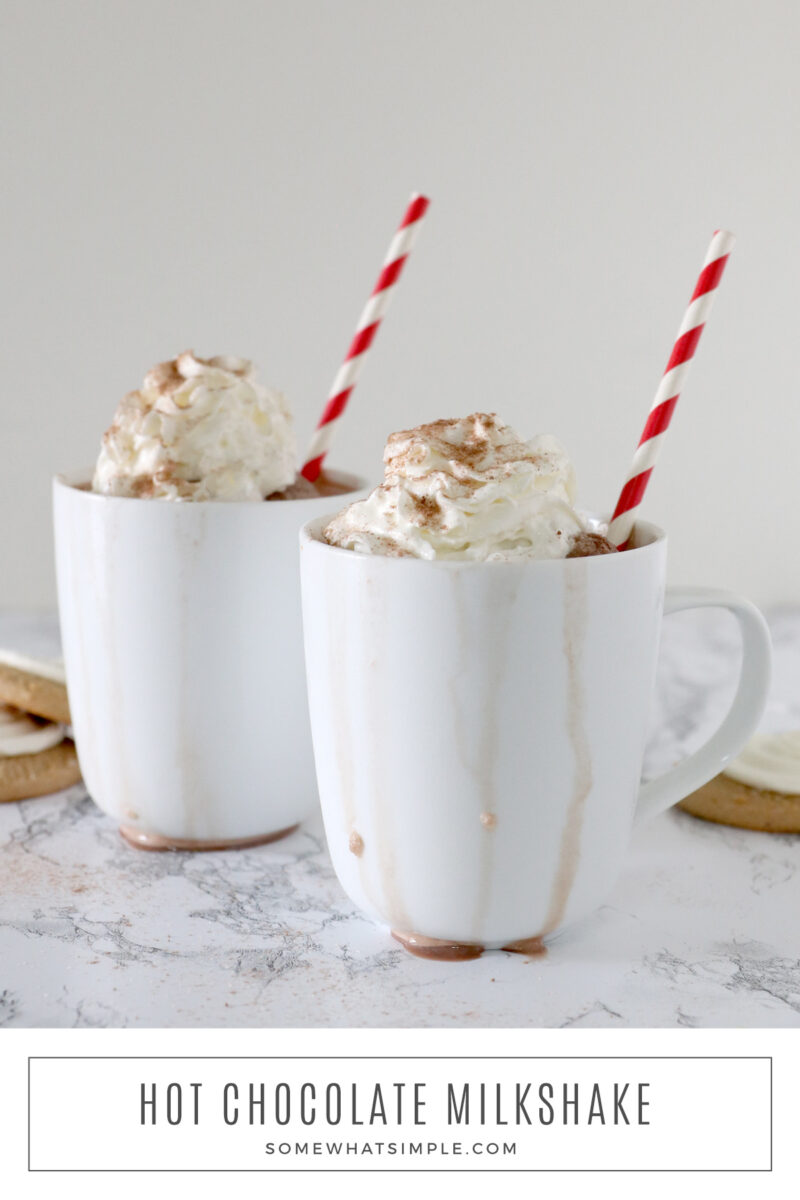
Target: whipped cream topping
770	761
198	429
468	488
21	733
45	668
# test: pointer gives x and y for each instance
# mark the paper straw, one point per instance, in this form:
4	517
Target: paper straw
374	312
670	388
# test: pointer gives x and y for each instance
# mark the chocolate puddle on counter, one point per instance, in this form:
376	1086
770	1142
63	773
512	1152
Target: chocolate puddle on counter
443	951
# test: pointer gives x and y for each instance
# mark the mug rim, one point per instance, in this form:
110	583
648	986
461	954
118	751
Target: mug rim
76	481
310	535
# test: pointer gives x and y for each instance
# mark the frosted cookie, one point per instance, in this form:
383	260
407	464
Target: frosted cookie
759	790
25	775
34	686
35	755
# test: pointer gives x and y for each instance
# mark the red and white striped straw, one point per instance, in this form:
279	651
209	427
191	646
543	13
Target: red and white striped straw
374	312
670	388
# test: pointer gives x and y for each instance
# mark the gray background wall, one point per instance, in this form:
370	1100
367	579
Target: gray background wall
225	175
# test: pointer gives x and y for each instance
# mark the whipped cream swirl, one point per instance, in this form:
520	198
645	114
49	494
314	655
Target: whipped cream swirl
198	429
21	733
770	761
468	488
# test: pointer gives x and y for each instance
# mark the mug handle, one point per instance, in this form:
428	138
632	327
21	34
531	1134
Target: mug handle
748	704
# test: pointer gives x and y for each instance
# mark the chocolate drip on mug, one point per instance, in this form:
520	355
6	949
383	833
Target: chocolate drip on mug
576	618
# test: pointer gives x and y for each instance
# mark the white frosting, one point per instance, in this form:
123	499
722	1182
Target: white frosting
23	734
468	488
770	761
43	667
199	429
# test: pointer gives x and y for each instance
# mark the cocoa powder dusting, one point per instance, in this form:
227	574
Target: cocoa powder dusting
585	545
141	487
167	377
164	378
428	513
412	446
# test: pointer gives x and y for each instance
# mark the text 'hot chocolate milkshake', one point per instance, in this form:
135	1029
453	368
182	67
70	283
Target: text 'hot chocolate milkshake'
470	489
200	429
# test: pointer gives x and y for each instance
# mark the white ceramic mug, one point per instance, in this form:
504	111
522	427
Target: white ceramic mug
182	641
479	730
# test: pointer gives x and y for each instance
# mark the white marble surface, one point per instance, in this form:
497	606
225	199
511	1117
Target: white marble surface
702	929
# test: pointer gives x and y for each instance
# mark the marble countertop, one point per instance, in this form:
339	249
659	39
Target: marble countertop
701	930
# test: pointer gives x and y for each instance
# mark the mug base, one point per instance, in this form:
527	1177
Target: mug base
441	950
141	840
